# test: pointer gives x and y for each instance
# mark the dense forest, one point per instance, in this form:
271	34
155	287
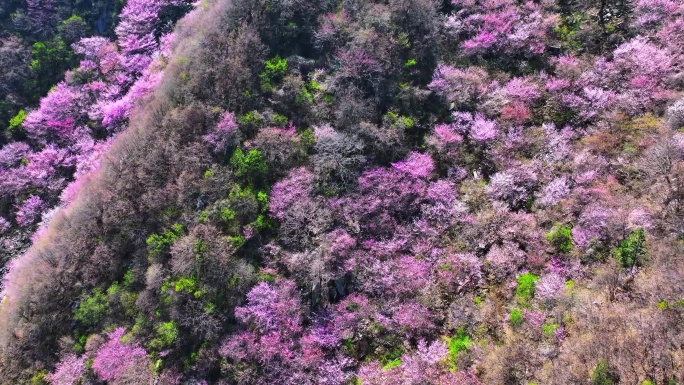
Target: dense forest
35	47
39	41
342	192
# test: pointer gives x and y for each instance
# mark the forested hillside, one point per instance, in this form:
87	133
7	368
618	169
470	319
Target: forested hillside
45	146
35	40
352	192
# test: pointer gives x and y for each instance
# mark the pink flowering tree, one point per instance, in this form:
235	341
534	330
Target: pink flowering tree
114	359
442	208
444	137
514	186
639	72
503	261
58	117
459	87
475	127
68	371
458	273
653	13
358	67
12	154
388	195
271	346
416	165
302	215
5	225
549	288
426	366
554	192
224	135
30	210
500	27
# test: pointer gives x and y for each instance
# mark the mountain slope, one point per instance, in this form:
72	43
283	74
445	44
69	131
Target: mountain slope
380	193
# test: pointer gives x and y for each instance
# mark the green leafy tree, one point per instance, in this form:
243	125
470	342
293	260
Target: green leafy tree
92	308
457	344
515	318
632	250
603	374
273	73
525	289
159	243
15	124
49	61
561	238
167	335
251	166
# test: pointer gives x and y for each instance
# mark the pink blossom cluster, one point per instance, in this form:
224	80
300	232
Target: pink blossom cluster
64	131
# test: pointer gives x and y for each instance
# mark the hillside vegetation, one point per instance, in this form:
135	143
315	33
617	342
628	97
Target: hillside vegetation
353	192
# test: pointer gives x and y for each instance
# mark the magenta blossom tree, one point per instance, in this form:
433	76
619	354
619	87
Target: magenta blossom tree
114	357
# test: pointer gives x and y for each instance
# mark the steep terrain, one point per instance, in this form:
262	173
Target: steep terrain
46	147
356	192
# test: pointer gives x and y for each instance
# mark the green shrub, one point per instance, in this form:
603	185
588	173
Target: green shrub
167	333
266	277
40	378
396	121
251	167
158	366
250	121
200	248
275	67
159	243
632	250
15	124
49	60
515	318
261	223
525	290
561	238
457	344
392	364
279	120
304	96
210	307
274	72
237	241
308	138
227	215
262	198
392	358
187	285
92	308
79	345
568	29
549	330
603	374
313	85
